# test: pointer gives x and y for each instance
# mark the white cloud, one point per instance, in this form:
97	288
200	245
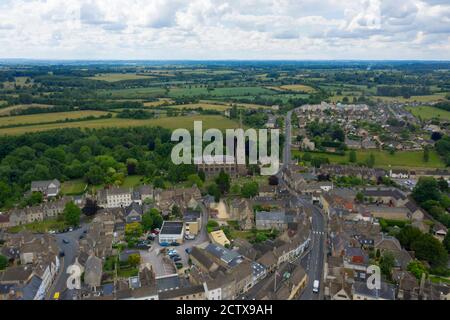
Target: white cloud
225	29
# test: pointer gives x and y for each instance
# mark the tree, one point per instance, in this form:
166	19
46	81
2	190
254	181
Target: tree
3	262
307	157
430	249
91	207
370	162
134	230
158	182
426	189
250	189
202	175
426	154
72	214
134	260
147	221
131	166
273	181
446	242
360	197
443	185
214	191
223	182
387	262
176	212
417	268
156	218
194	179
352	156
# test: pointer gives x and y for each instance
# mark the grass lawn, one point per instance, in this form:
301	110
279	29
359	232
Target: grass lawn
48	117
401	159
427	112
438	279
73	187
127	272
113	77
132	181
40	227
187	122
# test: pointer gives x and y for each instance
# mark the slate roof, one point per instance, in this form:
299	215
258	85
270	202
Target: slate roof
386	291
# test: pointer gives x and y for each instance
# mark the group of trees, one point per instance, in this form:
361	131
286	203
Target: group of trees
103	156
402	91
425	246
152	220
431	194
135	114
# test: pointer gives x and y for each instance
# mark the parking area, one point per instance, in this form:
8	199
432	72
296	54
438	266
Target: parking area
162	265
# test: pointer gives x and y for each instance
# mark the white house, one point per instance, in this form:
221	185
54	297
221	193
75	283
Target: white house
118	197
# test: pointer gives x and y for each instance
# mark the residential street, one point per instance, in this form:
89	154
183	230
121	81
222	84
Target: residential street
313	261
70	252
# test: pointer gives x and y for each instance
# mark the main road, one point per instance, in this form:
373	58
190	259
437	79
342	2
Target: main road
67	243
313	260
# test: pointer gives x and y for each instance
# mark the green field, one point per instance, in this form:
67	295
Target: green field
73	187
114	77
425	99
218	92
427	113
401	159
134	93
187	122
48	117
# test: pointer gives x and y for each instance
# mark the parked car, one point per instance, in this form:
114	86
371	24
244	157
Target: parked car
176	259
142	246
174	244
189	237
164	244
188	250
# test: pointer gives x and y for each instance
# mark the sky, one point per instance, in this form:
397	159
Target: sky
225	29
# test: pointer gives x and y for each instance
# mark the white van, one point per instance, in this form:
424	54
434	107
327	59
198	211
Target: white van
316	286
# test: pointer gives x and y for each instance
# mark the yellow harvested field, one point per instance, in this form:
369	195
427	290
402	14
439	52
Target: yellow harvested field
209	121
48	117
429	98
298	88
113	77
204	106
229	105
158	103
